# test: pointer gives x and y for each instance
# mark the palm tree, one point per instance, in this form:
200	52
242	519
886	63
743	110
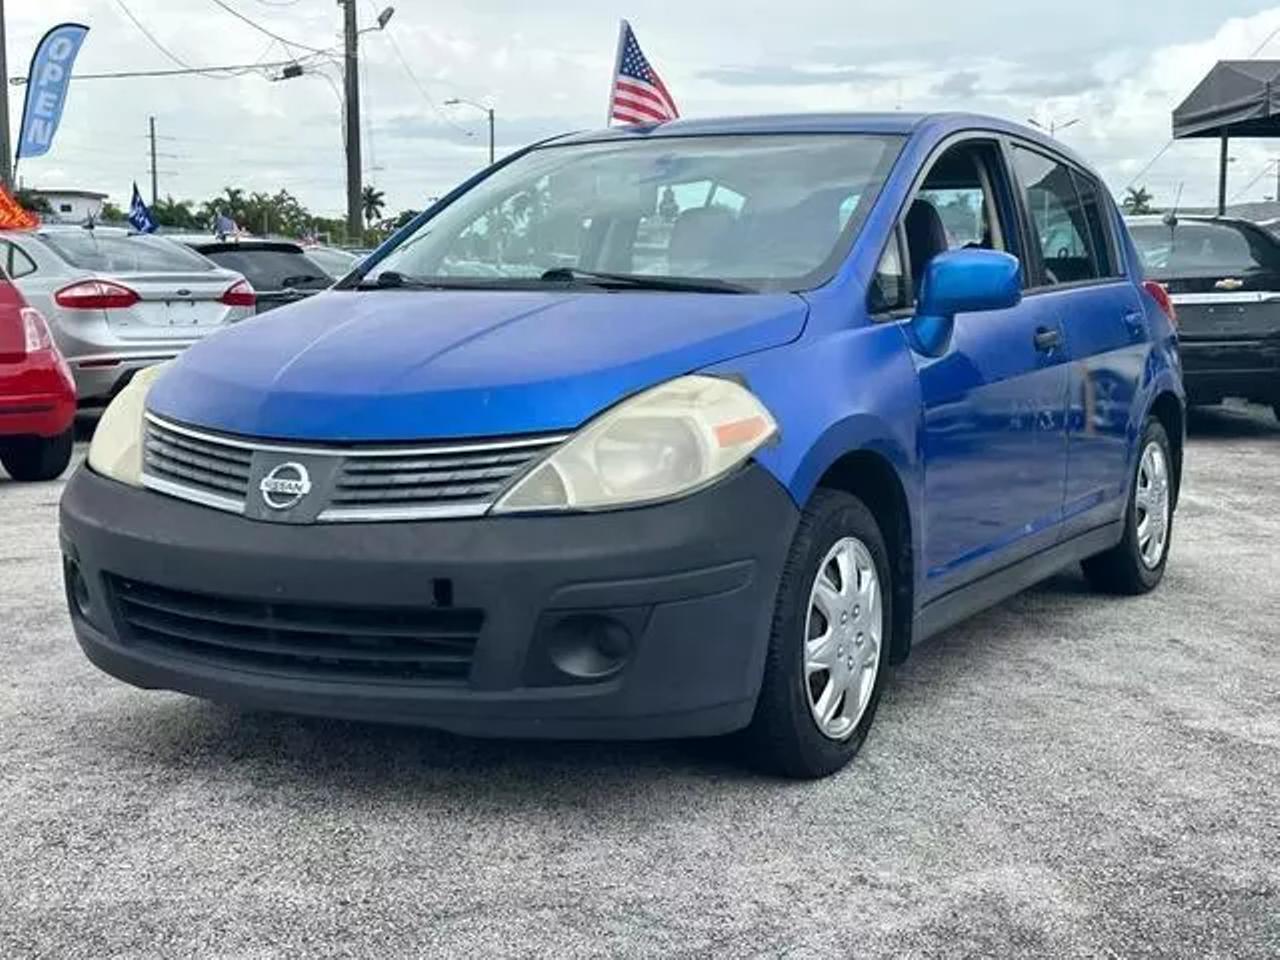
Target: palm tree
372	200
1138	201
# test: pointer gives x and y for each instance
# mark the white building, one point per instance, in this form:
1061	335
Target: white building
73	206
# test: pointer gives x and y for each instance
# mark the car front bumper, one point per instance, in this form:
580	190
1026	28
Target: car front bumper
649	622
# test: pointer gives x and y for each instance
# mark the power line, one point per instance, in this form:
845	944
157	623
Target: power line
1150	163
395	47
261	29
1270	36
1261	173
156	43
237	69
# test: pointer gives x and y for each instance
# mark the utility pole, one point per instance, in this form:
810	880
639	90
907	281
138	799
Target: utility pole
351	119
155	192
6	149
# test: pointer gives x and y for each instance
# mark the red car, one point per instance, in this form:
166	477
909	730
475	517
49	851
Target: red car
37	394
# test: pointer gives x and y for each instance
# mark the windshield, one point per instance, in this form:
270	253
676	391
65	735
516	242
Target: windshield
270	269
116	253
1198	249
769	212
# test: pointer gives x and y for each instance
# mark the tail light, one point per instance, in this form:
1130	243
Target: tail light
240	294
1161	296
35	331
95	295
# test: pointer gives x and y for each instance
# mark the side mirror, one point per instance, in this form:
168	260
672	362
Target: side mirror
962	281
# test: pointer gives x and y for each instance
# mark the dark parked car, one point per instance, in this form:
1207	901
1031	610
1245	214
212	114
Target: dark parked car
1223	276
280	271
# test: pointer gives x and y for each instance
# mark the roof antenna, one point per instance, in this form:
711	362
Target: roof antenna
1171	218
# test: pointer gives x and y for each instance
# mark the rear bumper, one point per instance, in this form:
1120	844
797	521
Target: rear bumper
1216	369
690	586
99	377
36	400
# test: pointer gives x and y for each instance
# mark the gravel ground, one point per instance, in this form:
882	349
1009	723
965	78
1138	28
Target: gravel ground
1063	776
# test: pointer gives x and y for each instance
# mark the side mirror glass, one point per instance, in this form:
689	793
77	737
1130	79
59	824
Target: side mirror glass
962	281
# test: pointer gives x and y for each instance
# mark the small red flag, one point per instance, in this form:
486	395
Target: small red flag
13	216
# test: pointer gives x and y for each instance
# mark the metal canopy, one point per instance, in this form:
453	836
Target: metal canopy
1238	98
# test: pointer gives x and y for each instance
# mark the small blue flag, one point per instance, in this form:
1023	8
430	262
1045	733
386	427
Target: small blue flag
139	215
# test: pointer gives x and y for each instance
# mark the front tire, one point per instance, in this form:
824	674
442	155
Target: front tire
830	642
1136	564
38	458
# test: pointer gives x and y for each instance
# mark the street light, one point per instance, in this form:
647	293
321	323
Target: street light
456	101
1053	126
382	20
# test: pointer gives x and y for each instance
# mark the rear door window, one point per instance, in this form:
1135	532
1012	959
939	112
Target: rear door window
1060	225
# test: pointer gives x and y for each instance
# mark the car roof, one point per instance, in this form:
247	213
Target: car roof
900	123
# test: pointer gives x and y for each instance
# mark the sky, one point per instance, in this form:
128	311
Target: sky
1118	66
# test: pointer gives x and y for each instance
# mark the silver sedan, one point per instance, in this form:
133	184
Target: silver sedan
118	302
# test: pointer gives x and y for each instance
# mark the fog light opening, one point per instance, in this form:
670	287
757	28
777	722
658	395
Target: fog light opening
78	590
590	646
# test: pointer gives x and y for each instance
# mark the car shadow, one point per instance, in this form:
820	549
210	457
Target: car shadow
1232	421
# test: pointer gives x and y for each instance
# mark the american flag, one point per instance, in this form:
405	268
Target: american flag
639	95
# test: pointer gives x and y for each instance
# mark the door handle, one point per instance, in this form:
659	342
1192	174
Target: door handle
1047	339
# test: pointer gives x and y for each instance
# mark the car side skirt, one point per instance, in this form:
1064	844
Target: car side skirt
963	602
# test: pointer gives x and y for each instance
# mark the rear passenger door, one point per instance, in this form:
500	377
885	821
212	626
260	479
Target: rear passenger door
1079	274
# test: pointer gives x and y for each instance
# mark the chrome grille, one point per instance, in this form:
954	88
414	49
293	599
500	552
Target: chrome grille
369	483
194	467
454	480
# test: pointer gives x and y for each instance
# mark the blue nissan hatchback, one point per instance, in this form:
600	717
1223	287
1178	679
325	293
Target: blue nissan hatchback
661	431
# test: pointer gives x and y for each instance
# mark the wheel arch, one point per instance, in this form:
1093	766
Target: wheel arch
871	477
1168	409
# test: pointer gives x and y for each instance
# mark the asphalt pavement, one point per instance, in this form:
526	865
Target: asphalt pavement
1063	776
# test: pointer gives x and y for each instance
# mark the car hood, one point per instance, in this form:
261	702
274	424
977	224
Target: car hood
406	365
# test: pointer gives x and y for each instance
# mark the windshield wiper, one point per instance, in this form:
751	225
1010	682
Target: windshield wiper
301	278
640	281
394	280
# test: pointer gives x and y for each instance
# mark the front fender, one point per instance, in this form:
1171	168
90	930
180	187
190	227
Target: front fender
837	393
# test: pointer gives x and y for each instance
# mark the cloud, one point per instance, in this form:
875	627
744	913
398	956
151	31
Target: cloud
788	76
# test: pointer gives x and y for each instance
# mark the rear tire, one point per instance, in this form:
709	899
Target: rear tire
825	668
38	458
1136	564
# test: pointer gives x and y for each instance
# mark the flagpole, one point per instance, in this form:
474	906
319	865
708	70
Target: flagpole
617	66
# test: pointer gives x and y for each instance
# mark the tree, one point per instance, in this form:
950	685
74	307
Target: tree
1137	201
372	201
35	202
110	213
175	213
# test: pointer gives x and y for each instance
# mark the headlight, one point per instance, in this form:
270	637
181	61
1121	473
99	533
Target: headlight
659	444
116	450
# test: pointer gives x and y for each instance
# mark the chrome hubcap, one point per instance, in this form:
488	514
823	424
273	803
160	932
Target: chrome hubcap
1151	505
843	629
